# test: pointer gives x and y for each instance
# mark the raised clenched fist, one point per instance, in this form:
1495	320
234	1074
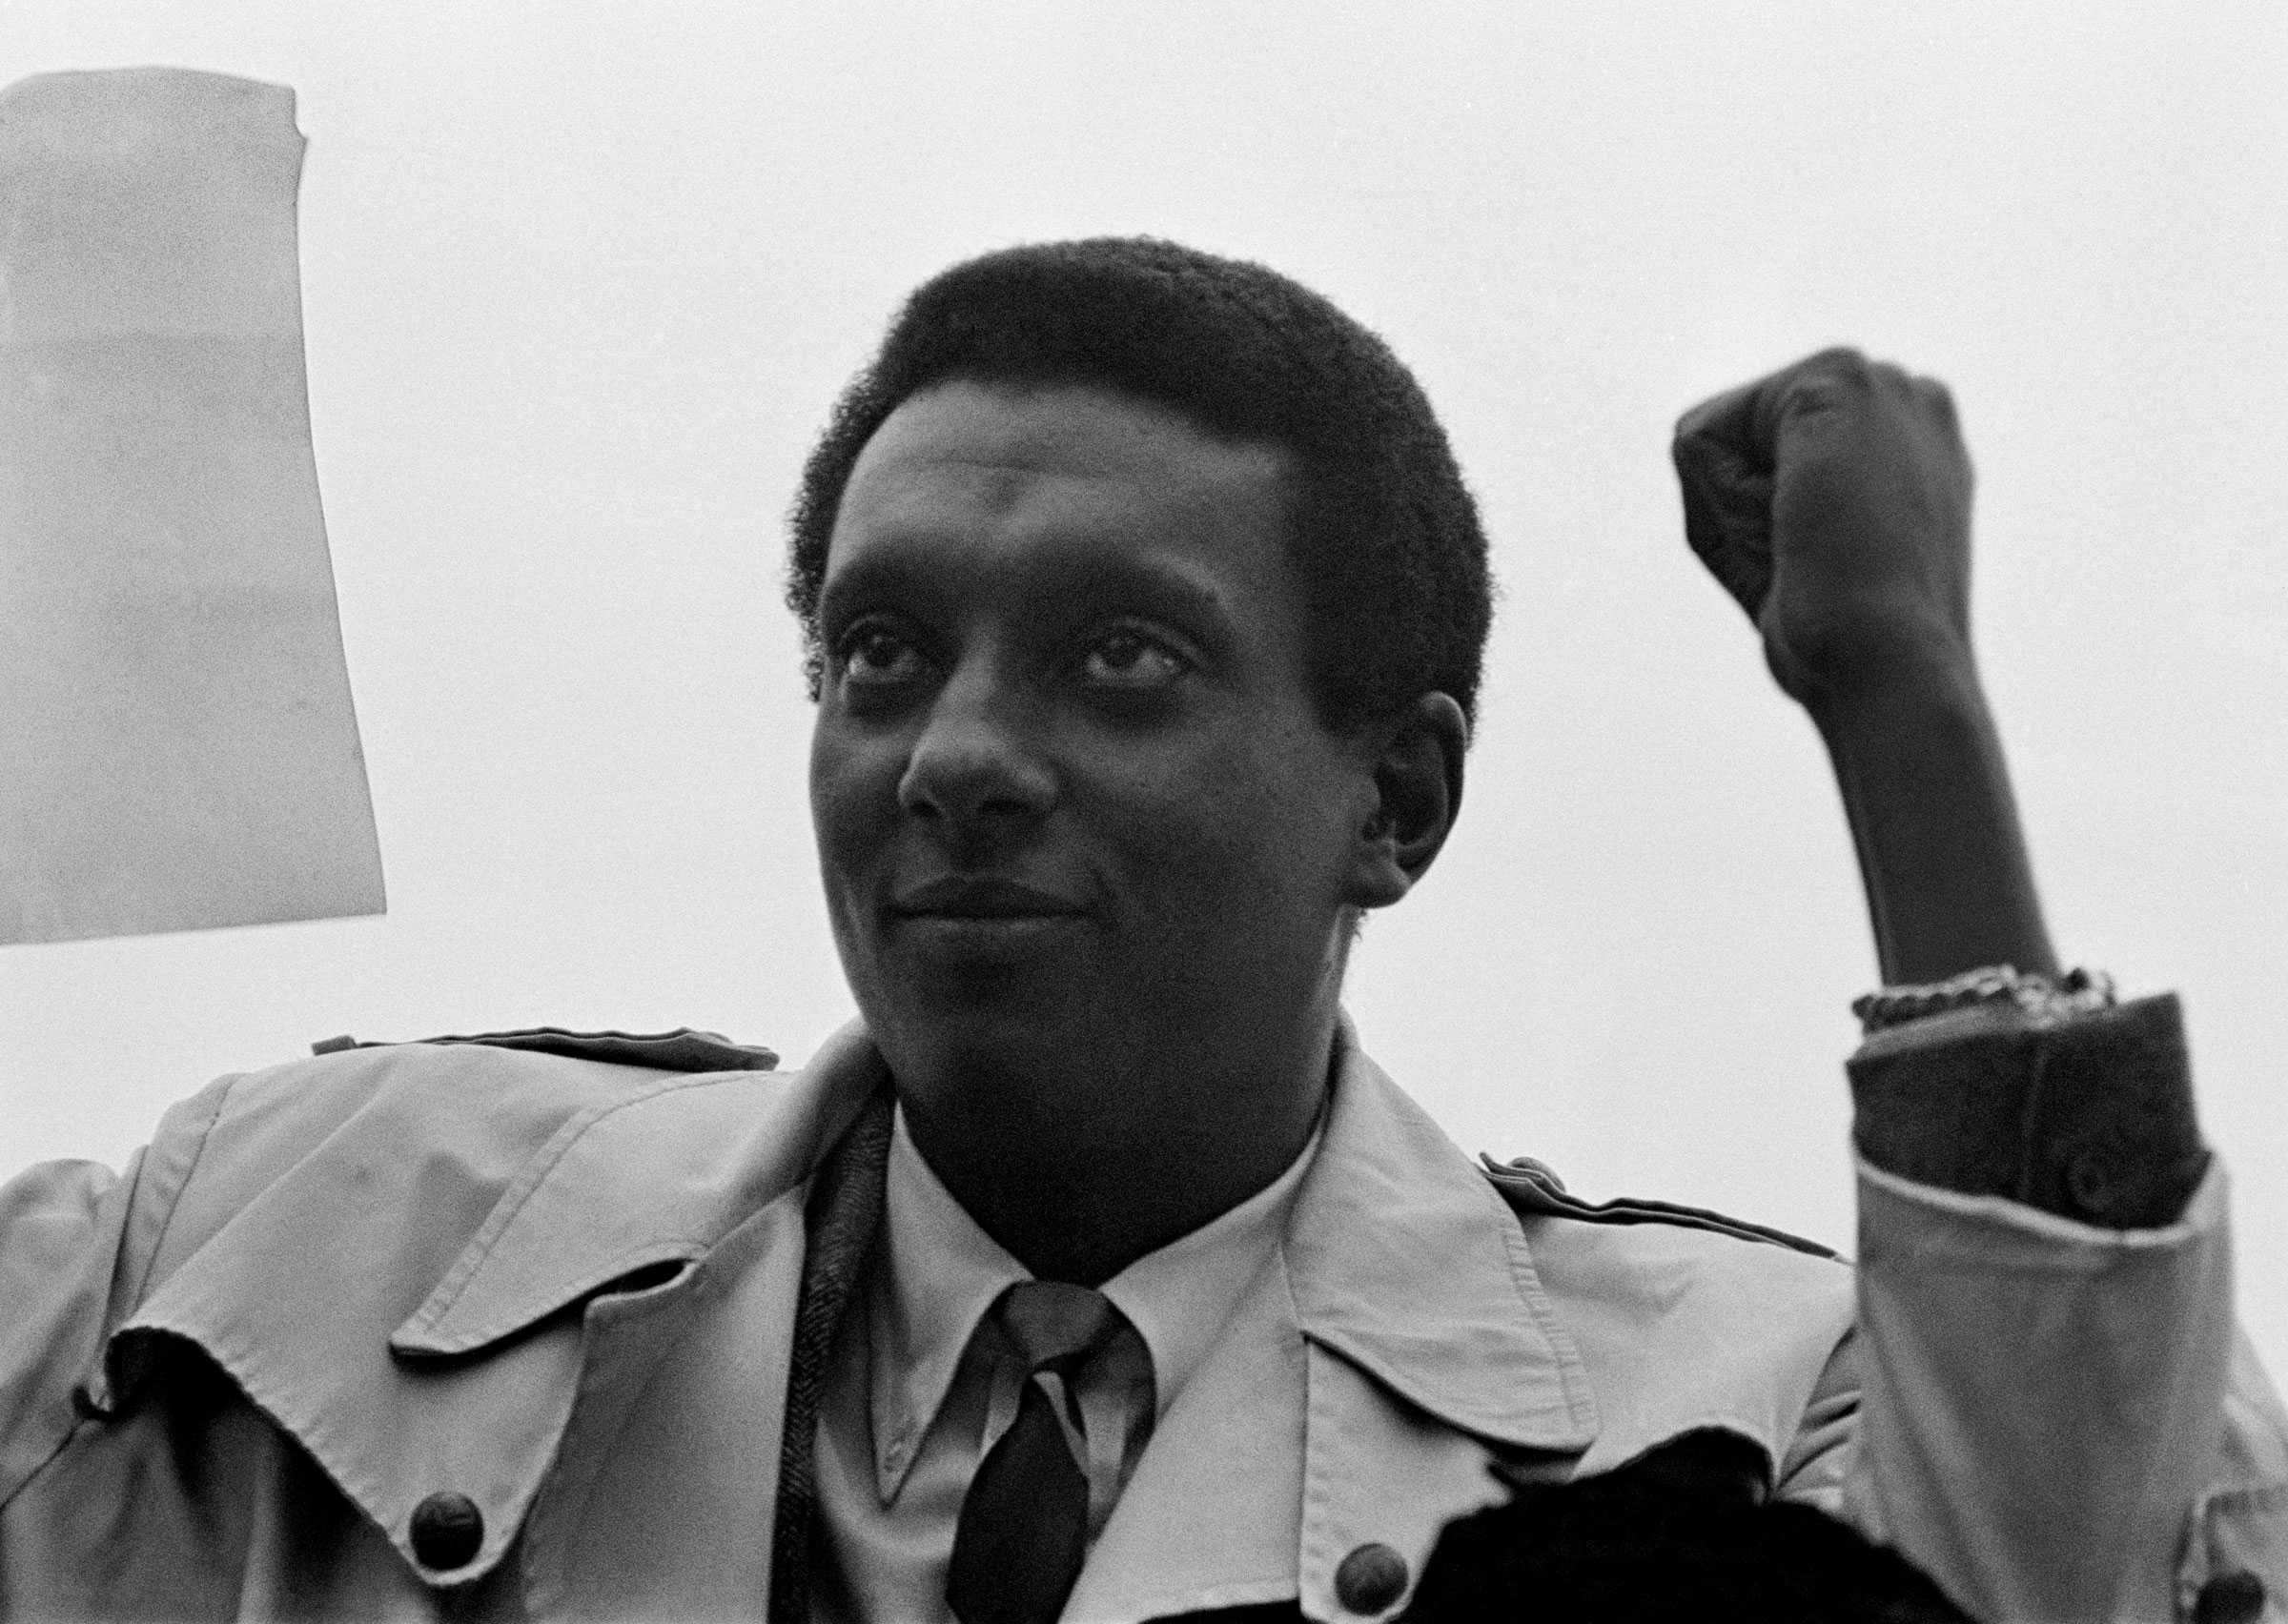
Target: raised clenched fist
1832	499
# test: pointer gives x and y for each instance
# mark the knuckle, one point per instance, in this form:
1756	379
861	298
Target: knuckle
1838	376
1841	362
1938	398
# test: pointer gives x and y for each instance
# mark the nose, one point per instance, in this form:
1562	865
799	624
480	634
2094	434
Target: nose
978	764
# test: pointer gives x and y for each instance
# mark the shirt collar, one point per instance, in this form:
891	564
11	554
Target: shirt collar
1180	1296
938	1274
935	1275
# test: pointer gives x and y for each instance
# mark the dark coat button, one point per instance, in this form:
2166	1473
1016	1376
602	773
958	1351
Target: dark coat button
1370	1579
2230	1598
447	1531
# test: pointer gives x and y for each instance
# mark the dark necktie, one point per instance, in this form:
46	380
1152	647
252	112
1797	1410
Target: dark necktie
1024	1525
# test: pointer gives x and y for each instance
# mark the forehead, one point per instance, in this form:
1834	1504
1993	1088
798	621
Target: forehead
1002	472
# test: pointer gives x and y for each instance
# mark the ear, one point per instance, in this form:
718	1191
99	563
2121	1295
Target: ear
1417	757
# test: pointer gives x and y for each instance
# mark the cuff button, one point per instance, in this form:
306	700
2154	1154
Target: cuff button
2090	1181
447	1531
2237	1597
1370	1579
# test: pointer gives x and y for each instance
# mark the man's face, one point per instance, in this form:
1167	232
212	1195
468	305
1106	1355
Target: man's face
1077	817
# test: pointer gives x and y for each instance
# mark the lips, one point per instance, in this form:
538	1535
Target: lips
974	897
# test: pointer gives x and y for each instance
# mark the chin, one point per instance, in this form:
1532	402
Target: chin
961	1019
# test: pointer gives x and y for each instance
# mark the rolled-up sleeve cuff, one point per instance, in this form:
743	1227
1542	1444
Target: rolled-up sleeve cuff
2007	1236
2089	1118
2041	1400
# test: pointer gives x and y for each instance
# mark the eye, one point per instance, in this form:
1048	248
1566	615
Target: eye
1129	659
874	655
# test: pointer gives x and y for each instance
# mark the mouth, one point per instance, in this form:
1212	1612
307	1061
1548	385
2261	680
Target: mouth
968	898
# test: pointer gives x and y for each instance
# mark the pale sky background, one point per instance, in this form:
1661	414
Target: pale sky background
581	282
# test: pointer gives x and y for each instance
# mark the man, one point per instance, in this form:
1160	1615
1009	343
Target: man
1097	1272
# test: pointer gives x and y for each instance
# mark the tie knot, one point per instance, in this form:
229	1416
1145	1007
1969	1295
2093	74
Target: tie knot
1055	1324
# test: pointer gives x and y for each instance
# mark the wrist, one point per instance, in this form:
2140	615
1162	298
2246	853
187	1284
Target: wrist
1894	683
1919	763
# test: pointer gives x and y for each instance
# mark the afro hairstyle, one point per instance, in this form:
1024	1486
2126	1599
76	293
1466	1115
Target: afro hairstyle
1383	534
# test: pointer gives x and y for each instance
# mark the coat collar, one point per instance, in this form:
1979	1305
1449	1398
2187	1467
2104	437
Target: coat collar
1400	1339
621	1193
562	1183
1406	1261
1405	1265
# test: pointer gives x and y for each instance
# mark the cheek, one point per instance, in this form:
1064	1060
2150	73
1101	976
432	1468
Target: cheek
1250	831
853	799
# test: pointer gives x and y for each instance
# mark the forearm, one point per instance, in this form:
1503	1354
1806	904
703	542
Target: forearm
2092	1121
1950	887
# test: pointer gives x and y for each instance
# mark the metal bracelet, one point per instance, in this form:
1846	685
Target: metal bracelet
2037	997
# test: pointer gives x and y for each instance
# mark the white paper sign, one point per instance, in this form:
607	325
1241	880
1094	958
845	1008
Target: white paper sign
178	748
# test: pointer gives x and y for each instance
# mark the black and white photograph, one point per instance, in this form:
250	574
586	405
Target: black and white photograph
916	813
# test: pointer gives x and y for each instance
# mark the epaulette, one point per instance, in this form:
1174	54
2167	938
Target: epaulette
684	1049
1533	1187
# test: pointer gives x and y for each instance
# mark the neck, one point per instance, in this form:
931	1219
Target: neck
1078	1176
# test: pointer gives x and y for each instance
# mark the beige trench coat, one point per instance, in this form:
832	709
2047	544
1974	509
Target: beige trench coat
326	1293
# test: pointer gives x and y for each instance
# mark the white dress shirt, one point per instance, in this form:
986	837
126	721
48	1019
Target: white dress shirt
923	1381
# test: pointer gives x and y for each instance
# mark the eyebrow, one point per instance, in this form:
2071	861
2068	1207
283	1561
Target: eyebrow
901	565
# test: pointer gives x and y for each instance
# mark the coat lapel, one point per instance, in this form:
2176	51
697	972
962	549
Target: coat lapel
1398	1341
1432	1344
842	1213
680	1489
303	1296
1408	1265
